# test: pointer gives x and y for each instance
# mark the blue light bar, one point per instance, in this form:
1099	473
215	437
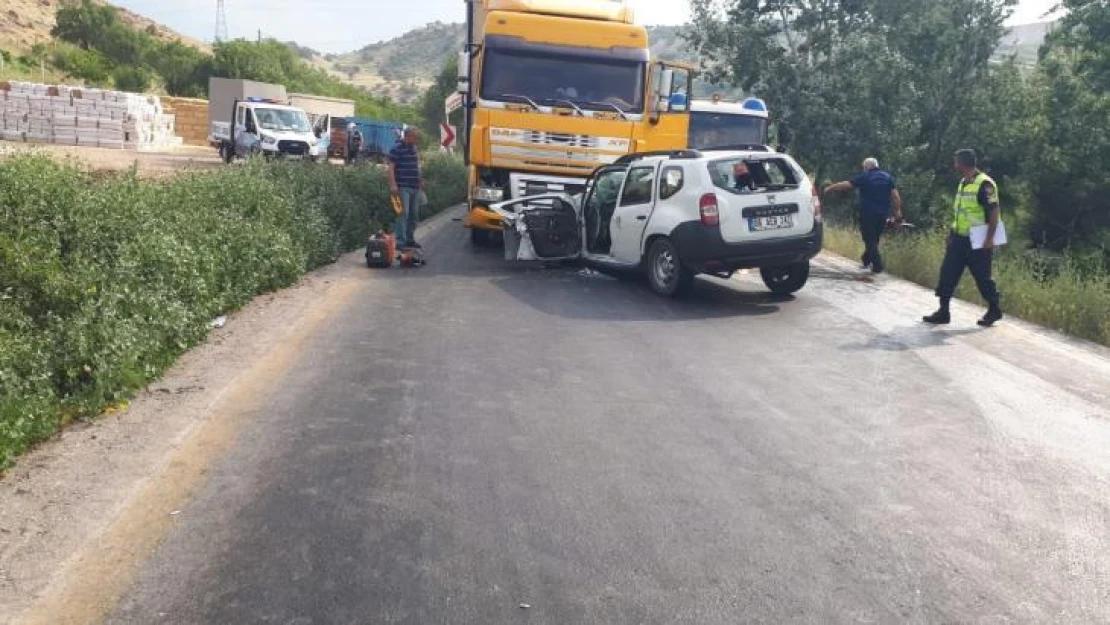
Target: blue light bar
754	104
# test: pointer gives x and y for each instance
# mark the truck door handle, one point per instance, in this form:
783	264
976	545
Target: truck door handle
641	217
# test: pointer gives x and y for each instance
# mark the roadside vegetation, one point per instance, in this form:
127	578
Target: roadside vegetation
106	281
910	82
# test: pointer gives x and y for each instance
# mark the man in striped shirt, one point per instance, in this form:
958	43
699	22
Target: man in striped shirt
405	181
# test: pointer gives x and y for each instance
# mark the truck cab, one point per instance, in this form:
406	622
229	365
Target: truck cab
554	89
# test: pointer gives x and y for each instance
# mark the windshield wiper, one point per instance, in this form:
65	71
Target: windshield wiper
525	98
616	108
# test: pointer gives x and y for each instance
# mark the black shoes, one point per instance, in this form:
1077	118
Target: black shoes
943	317
993	316
939	318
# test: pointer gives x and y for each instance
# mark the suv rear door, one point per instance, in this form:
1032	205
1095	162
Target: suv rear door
773	200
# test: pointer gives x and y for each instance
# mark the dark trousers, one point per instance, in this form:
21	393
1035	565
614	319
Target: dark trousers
871	227
959	256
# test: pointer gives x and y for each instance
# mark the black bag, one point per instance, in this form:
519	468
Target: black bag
379	253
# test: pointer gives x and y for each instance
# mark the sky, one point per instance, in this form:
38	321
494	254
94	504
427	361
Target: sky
345	25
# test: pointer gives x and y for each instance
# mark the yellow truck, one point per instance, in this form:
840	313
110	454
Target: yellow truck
554	89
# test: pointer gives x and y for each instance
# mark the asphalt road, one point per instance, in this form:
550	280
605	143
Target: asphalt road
476	443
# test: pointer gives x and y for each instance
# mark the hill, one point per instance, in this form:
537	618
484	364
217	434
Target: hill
404	67
24	23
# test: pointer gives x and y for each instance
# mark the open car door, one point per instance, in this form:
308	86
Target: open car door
541	227
322	130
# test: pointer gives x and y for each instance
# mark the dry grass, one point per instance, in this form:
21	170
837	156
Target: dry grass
23	23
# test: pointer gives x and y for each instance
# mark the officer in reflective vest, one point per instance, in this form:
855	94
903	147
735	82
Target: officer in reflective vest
976	205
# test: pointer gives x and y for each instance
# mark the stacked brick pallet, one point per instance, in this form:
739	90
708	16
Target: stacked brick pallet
191	117
85	117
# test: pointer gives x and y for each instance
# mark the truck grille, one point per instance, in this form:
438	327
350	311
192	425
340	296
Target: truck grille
296	148
526	187
539	137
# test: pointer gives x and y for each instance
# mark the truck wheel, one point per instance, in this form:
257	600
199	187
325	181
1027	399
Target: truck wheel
665	272
481	238
786	280
226	153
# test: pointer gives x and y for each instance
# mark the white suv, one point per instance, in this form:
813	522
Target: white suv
677	214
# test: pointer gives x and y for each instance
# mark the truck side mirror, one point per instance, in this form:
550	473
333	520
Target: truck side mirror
666	83
464	72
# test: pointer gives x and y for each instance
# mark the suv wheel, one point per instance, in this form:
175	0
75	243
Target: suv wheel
665	272
785	280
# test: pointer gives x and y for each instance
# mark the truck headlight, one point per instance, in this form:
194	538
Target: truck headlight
268	140
487	194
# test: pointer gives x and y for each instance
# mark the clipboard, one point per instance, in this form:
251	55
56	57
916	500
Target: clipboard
978	235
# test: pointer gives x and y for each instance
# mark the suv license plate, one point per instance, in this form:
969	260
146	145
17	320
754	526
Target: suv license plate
777	222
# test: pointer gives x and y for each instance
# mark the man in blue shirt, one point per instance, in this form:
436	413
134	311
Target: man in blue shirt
405	181
879	200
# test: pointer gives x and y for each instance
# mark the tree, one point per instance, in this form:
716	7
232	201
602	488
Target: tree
251	61
184	69
857	78
1068	160
431	104
82	23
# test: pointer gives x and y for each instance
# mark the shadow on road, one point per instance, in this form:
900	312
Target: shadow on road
573	294
910	338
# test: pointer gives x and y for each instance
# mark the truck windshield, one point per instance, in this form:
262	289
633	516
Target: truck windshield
715	130
282	120
546	77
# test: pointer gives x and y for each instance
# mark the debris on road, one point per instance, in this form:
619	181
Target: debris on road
218	322
592	273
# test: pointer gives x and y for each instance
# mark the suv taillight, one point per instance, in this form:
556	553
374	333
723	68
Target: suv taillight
817	208
710	214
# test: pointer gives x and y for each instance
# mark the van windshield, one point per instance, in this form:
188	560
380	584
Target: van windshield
554	75
716	130
282	120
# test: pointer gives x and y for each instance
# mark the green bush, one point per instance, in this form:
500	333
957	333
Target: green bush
134	79
1067	293
105	282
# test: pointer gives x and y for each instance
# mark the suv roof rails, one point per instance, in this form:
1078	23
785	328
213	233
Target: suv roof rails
632	158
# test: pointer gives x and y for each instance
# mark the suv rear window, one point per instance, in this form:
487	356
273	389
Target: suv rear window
749	175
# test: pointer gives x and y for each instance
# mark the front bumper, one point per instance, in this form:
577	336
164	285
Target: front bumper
705	251
480	217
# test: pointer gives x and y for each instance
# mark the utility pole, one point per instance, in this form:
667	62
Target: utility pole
221	22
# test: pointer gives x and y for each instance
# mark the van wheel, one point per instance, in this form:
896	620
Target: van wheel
665	272
785	280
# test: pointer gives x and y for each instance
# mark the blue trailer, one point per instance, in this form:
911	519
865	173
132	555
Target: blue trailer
378	138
